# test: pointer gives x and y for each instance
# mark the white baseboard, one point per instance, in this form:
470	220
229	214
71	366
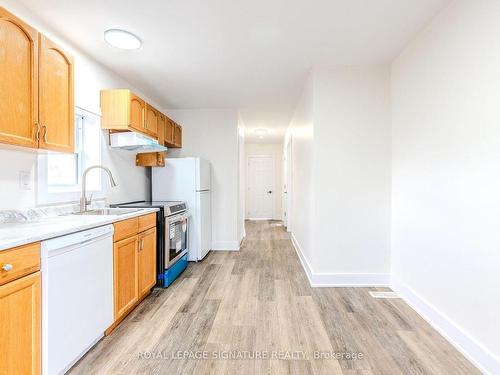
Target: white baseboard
318	280
225	245
303	260
476	353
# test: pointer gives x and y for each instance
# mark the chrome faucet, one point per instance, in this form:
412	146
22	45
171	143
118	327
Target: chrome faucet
84	202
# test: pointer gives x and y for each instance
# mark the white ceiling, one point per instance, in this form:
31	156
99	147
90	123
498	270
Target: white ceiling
253	55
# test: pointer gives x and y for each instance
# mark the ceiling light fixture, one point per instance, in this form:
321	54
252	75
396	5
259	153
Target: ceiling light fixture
122	39
261	132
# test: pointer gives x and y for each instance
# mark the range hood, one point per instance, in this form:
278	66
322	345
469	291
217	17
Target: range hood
136	142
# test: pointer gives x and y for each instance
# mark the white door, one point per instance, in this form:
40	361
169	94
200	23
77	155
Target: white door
260	187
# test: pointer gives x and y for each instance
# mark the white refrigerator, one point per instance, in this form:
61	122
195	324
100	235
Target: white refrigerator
188	180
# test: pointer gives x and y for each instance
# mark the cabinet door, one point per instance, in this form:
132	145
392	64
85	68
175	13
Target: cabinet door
150	159
151	123
125	275
20	325
56	111
169	132
147	260
137	113
178	136
18	81
161	130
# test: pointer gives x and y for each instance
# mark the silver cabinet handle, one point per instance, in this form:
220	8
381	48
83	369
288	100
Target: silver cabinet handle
37	134
7	267
45	133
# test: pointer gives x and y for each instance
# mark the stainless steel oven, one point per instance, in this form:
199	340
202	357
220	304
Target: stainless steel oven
176	237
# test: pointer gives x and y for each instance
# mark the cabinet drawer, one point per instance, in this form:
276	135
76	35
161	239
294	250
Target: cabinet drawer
147	221
19	261
126	228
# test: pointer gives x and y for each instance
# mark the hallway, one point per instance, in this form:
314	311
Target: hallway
257	302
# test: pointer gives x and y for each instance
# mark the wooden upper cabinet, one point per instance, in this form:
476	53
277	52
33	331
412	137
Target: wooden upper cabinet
151	121
161	129
122	110
173	134
177	136
136	112
169	132
18	81
56	112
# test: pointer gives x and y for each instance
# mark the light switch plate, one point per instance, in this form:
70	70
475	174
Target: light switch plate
25	180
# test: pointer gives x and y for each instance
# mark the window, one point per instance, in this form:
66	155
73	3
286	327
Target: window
59	174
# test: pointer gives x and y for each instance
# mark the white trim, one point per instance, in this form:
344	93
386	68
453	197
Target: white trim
260	218
303	260
288	176
225	245
319	280
475	352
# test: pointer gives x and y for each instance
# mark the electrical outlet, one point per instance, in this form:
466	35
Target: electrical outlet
25	180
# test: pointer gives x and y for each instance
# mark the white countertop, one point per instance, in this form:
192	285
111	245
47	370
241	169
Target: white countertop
17	234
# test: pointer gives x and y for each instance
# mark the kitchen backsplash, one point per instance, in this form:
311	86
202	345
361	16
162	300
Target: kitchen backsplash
35	214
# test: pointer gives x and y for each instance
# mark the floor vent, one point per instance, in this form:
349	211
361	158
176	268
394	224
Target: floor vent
384	295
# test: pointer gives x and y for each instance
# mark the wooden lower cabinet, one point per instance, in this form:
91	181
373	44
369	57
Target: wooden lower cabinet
20	314
134	259
147	261
125	257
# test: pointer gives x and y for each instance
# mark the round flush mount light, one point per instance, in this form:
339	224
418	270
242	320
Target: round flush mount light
261	132
122	39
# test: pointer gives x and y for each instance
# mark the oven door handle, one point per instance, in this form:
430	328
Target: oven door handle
176	218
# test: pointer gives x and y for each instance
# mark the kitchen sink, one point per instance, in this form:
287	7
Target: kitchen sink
108	211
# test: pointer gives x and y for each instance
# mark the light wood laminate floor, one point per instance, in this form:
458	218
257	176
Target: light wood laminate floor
257	302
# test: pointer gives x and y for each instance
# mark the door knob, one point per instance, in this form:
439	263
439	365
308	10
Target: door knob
270	192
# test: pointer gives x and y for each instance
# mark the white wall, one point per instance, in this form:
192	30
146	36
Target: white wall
241	179
352	149
213	135
275	150
13	161
446	176
301	213
341	190
90	78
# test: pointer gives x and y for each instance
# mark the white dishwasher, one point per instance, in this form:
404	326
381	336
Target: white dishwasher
77	295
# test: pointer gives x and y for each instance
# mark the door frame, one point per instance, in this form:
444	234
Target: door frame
288	197
247	206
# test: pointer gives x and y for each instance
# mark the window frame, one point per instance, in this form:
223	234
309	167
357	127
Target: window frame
47	195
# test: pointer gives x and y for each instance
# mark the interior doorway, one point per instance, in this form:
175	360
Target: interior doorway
287	186
261	186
